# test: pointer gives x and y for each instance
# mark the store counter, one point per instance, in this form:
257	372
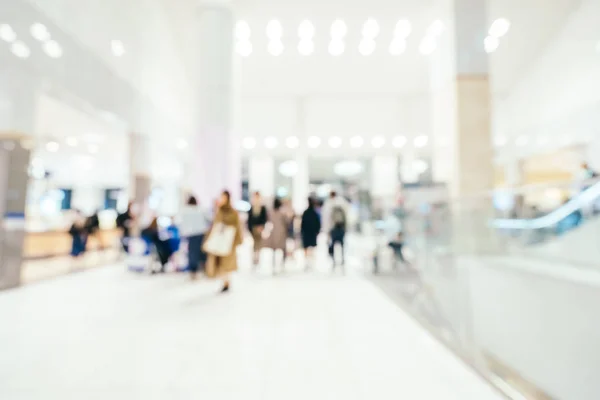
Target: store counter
58	243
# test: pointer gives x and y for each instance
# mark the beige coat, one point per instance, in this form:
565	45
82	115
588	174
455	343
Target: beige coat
218	266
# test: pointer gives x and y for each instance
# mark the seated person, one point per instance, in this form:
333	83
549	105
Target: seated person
152	235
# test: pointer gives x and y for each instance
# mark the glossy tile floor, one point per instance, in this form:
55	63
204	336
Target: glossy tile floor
110	334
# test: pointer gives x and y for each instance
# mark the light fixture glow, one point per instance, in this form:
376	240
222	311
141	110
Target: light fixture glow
366	47
7	33
306	47
118	48
370	29
249	143
378	142
427	46
52	147
336	47
499	28
500	141
314	142
275	48
436	28
72	141
242	31
348	168
306	30
356	142
39	32
420	166
288	168
53	49
421	141
403	29
243	48
491	44
335	142
274	30
338	29
397	47
399	142
20	49
271	142
292	142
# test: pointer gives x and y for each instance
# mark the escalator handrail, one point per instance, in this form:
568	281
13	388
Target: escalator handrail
581	200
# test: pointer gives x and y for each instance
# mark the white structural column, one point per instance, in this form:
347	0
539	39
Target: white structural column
140	173
463	155
216	152
408	172
384	179
261	176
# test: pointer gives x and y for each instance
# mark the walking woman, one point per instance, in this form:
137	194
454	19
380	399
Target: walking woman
277	239
257	219
194	223
310	228
223	266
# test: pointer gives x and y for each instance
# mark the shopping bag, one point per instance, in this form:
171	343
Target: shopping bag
220	240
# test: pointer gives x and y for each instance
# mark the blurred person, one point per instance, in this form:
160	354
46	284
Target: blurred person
152	235
278	233
288	211
78	234
125	224
395	236
586	172
257	219
93	228
334	220
310	228
194	222
223	266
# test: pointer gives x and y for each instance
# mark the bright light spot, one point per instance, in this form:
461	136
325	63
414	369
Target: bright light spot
420	166
288	168
52	147
182	144
522	141
378	142
338	29
436	28
7	33
399	142
72	141
306	47
499	28
275	48
249	143
292	142
118	48
427	46
500	141
347	168
306	30
336	47
491	43
397	47
20	49
40	32
370	29
274	30
271	142
403	29
242	31
314	142
366	47
356	142
421	141
53	49
243	48
335	142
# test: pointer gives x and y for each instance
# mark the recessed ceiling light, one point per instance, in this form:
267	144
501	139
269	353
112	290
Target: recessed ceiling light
356	142
72	141
292	142
242	31
118	48
243	48
427	46
378	142
403	29
306	47
490	44
306	30
274	30
370	29
53	49
40	32
348	168
397	47
336	47
271	142
499	27
275	48
399	141
7	33
249	143
20	49
421	141
52	147
314	142
335	142
338	29
366	47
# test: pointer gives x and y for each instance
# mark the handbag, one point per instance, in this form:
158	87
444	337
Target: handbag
220	240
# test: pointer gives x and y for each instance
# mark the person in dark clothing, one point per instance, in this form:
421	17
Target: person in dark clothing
310	228
79	234
257	219
92	226
124	222
152	235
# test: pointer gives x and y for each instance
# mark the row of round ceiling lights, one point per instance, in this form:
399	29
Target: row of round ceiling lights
525	140
335	142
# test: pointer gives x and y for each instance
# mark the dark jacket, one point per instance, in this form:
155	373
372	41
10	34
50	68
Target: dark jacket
260	219
123	223
311	223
